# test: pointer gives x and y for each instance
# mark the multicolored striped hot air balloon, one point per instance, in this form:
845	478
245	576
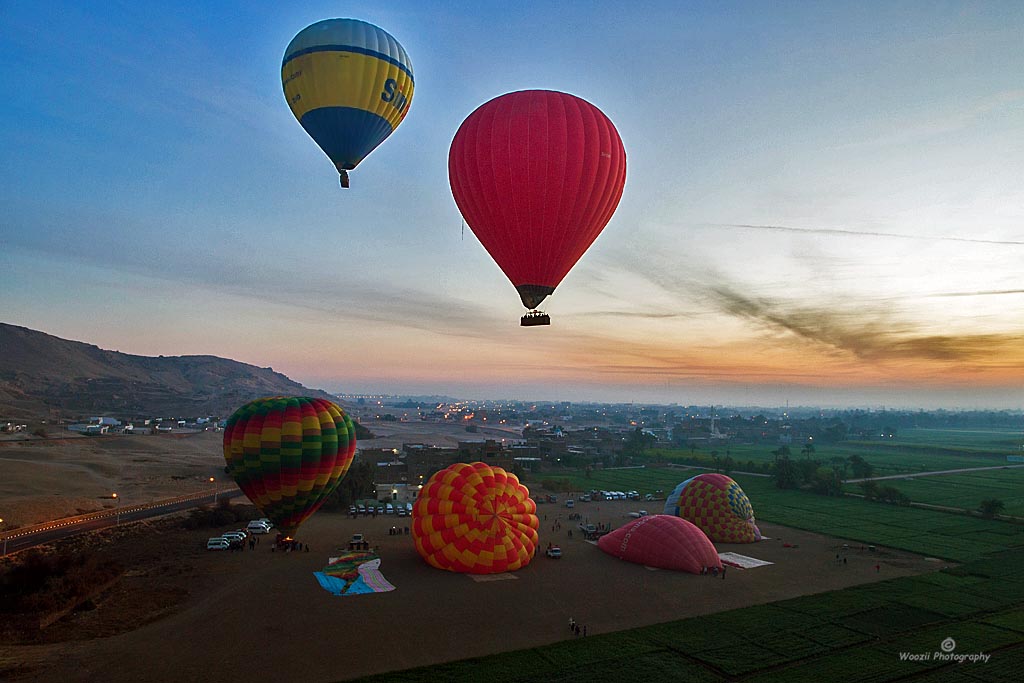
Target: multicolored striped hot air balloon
287	454
717	505
476	519
350	84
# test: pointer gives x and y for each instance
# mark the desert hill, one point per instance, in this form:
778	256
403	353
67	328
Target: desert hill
42	375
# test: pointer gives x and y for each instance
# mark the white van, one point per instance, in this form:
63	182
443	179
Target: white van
218	543
257	527
570	503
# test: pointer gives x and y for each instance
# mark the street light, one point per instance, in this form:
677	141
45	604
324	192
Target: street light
5	537
117	508
214	487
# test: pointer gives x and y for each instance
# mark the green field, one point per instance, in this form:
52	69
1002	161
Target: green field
852	635
964	490
914	450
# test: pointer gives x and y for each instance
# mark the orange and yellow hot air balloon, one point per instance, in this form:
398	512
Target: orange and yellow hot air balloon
475	518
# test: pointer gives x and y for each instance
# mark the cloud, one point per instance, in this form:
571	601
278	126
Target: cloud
992	292
328	296
953	121
859	233
867	334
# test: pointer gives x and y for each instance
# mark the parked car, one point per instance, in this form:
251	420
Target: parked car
218	543
233	536
554	552
362	509
380	509
351	509
257	527
570	503
389	509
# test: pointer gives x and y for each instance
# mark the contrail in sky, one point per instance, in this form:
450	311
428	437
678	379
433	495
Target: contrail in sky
858	233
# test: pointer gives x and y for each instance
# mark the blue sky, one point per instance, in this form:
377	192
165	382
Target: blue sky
823	202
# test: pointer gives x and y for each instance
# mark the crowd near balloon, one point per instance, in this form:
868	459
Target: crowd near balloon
537	175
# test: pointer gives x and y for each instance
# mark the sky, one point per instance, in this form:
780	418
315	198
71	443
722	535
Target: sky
823	201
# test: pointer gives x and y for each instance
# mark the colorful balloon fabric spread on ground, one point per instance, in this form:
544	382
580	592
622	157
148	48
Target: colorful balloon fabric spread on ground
287	454
353	573
537	175
475	518
350	84
664	542
716	504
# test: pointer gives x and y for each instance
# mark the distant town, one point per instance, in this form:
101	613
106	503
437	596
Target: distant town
535	437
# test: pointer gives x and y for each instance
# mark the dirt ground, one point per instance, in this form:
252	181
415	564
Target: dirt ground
261	616
45	479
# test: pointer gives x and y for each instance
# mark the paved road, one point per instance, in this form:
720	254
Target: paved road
28	537
911	475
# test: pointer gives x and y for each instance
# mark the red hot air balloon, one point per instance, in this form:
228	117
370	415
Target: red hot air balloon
537	175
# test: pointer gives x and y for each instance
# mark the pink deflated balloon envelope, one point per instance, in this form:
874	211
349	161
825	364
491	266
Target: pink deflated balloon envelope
664	542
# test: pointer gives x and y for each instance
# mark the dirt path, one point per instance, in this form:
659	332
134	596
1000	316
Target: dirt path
913	475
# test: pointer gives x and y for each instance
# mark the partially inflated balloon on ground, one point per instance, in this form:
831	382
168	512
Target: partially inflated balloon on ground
664	542
475	518
716	504
287	454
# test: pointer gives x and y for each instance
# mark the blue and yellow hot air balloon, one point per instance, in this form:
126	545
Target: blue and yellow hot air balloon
350	84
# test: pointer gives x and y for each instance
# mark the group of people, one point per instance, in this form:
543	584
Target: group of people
289	546
575	629
713	571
